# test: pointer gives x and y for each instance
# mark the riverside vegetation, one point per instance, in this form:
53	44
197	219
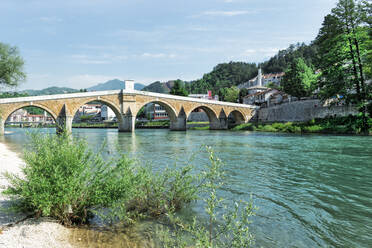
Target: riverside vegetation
65	180
331	125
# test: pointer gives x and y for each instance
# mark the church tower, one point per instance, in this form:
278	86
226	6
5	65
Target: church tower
259	78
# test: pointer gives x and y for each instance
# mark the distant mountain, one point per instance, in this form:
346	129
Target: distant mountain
159	87
114	84
50	91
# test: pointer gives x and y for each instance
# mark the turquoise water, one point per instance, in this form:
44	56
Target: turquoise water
311	190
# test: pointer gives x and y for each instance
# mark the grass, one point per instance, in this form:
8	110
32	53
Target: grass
95	125
164	123
199	128
198	122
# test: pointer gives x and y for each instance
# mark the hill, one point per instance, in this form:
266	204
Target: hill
114	84
281	61
160	87
223	76
49	91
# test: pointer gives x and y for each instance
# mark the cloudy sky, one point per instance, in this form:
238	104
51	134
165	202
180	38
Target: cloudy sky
78	43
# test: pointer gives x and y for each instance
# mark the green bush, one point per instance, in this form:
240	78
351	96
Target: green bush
268	128
313	129
244	126
161	193
227	229
200	128
65	180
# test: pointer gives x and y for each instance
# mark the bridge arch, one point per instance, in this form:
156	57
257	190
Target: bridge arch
112	106
238	116
20	106
212	115
172	113
73	111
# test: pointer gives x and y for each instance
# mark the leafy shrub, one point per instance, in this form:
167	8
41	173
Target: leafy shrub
65	180
231	230
163	192
244	126
268	128
200	128
313	129
277	125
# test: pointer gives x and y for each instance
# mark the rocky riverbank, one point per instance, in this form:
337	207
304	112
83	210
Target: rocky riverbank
18	231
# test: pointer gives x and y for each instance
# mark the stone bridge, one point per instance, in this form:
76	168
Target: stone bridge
126	104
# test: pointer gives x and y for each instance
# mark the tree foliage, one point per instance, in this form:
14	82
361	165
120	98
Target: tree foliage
231	94
343	54
299	79
179	89
281	61
224	75
11	66
12	94
242	93
32	110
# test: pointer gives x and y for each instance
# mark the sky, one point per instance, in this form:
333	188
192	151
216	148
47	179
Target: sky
79	43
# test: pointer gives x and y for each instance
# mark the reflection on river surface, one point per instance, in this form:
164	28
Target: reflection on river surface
311	190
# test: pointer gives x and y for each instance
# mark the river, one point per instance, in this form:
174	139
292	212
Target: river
311	190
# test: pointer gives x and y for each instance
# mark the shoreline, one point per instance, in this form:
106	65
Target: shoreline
30	232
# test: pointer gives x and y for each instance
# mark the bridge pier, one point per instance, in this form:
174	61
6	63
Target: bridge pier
2	126
127	124
179	122
64	123
219	124
178	125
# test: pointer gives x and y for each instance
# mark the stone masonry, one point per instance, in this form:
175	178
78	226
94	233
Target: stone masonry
302	111
126	104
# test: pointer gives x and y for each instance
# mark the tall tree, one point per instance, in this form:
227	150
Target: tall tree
342	43
232	94
178	89
299	80
11	66
242	93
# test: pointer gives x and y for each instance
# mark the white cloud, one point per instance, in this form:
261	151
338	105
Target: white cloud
225	13
97	59
87	60
250	51
269	51
158	55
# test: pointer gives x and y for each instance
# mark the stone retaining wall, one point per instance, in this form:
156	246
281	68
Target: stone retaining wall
302	111
198	117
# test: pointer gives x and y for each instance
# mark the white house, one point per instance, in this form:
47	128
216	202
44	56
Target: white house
265	98
156	112
263	80
107	114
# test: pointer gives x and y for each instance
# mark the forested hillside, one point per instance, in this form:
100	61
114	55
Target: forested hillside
50	91
223	76
159	87
281	61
